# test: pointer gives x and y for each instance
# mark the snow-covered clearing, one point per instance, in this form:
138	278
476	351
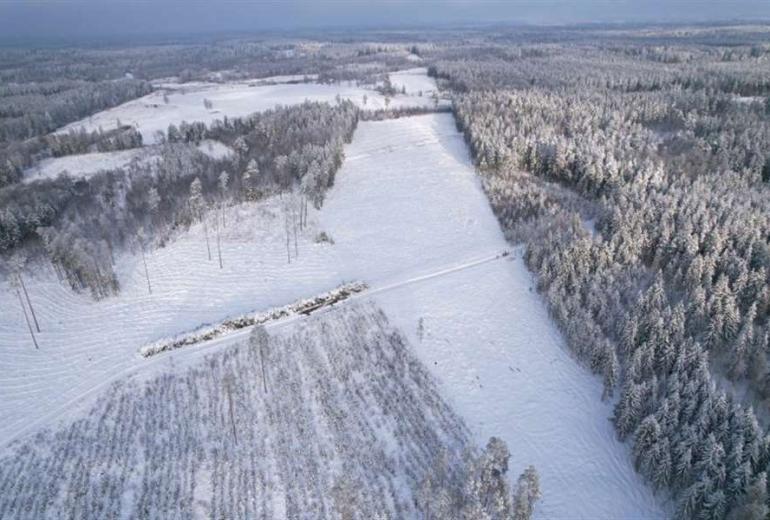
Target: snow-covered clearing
215	149
287	78
747	100
89	164
185	103
85	342
415	81
406	206
151	113
86	165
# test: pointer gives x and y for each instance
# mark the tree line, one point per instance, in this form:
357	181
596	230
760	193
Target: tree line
80	224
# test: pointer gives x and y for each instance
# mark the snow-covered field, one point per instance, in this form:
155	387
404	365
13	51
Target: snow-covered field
174	83
486	334
151	113
85	343
86	165
408	217
89	164
185	103
415	81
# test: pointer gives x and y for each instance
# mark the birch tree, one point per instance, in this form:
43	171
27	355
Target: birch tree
219	240
16	285
224	179
140	235
228	382
294	203
18	262
196	208
286	207
153	202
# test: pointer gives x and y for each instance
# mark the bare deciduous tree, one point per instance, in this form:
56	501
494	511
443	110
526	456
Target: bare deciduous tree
17	264
197	206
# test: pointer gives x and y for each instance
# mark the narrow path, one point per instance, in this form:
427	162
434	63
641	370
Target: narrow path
441	272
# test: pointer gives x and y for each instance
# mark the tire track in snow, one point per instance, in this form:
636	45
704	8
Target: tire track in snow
442	272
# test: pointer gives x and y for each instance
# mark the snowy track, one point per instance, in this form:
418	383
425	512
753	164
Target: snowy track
402	217
442	272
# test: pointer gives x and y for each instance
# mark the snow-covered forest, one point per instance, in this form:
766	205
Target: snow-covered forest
638	178
386	273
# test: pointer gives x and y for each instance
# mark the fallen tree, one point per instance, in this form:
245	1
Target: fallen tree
209	332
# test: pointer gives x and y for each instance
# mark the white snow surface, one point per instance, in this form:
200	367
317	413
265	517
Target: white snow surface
408	217
87	165
215	149
414	80
151	113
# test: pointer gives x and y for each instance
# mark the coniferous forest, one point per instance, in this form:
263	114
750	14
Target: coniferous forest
638	176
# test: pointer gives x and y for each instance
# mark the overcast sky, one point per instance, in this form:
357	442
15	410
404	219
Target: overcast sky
33	19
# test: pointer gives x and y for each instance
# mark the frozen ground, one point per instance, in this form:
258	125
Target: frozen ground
185	103
84	342
174	83
89	164
406	205
151	113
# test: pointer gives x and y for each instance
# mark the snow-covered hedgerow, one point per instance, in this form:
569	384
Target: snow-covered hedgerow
208	332
331	416
395	113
